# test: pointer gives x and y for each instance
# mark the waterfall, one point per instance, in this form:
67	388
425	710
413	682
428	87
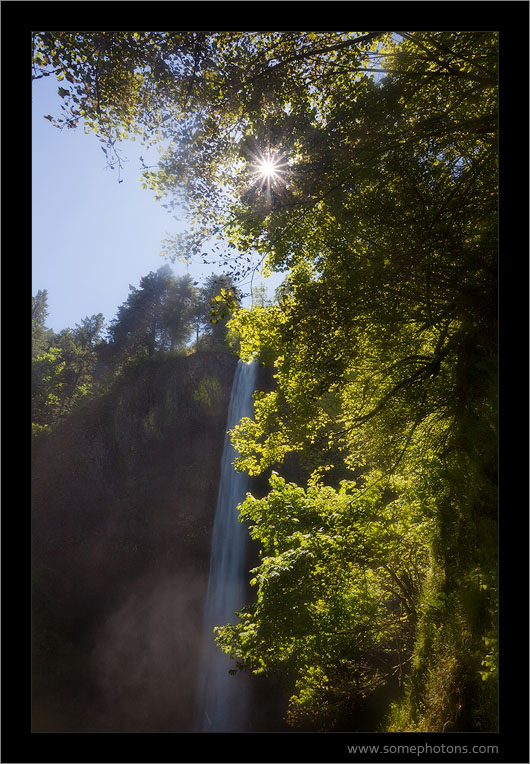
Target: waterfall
222	697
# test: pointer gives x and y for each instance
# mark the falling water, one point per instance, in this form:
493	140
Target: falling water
222	697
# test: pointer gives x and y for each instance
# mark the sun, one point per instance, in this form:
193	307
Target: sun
268	168
268	173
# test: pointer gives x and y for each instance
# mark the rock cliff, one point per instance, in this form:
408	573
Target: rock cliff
123	497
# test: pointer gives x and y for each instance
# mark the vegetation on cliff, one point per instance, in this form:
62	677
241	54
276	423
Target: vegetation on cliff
165	315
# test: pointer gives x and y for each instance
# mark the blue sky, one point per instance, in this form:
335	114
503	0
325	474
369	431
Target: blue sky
91	236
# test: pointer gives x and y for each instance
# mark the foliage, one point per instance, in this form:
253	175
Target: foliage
386	345
336	586
63	370
201	92
453	682
79	350
155	317
46	386
40	335
163	313
208	393
215	302
219	98
158	317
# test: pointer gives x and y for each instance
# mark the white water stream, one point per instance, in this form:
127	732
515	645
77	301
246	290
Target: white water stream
222	698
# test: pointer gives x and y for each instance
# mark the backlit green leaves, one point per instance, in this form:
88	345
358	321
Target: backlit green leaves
326	588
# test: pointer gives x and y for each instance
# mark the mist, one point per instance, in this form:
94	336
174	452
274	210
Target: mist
144	656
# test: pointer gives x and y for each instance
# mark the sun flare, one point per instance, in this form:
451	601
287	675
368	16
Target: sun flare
268	173
268	168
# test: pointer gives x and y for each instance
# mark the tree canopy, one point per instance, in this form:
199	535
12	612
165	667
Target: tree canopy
377	196
156	316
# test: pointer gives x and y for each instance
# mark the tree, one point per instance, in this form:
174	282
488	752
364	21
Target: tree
336	591
88	333
188	89
46	388
40	335
217	299
78	349
63	368
155	317
384	338
260	297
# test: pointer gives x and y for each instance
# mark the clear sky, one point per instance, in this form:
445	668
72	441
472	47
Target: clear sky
92	236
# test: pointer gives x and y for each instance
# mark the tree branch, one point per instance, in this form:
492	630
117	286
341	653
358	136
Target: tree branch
320	51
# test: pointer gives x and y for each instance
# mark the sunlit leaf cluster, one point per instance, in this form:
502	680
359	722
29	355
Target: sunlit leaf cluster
338	573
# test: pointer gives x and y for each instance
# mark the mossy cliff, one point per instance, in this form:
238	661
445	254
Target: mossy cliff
124	494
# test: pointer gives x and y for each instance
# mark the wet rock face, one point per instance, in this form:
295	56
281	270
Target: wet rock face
124	494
